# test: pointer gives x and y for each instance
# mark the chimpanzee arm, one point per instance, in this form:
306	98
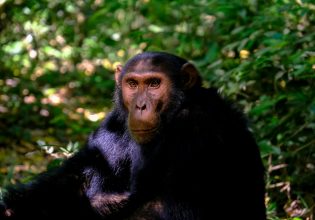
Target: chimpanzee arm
92	182
55	194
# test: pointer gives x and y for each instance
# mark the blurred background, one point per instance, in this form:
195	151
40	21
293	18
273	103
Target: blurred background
56	78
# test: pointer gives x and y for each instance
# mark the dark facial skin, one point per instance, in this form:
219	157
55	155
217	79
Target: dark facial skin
146	96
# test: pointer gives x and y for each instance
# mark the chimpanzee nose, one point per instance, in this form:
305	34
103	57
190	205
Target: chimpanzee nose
141	106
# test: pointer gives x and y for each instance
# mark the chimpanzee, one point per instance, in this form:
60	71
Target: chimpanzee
169	149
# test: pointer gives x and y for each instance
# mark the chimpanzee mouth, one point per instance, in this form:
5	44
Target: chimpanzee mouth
144	131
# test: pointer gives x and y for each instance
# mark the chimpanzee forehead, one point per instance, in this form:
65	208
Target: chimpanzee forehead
148	65
155	62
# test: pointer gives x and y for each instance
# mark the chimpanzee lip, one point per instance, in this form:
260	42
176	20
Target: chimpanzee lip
150	130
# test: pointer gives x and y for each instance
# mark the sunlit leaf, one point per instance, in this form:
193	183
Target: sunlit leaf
155	28
50	51
14	47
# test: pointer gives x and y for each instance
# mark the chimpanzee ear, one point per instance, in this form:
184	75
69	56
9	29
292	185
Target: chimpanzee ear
118	73
190	76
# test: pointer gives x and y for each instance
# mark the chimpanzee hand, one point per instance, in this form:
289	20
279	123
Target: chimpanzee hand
4	212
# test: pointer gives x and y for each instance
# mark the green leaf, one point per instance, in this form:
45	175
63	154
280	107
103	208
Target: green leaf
265	104
50	51
267	148
14	47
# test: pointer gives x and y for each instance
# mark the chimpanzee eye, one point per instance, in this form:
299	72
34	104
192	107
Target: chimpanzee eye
155	83
132	83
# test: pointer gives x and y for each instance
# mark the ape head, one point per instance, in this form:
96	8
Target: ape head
150	86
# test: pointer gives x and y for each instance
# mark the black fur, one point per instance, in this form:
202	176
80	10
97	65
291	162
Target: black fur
204	164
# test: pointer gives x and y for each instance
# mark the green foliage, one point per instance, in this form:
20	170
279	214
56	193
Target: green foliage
57	60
